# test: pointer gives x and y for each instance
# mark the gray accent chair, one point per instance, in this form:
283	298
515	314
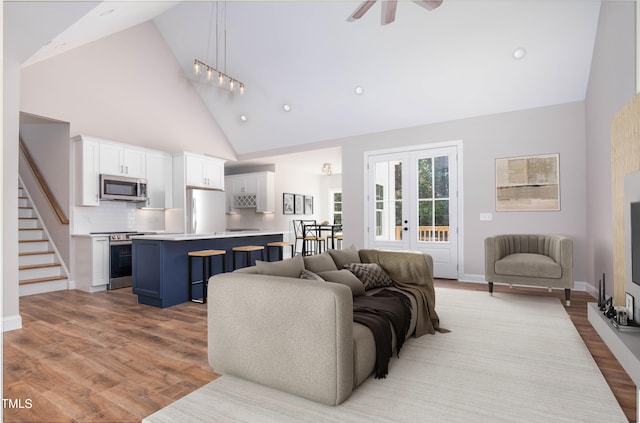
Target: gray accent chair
536	260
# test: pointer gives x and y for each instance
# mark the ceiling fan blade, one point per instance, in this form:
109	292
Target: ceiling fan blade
429	4
361	10
389	11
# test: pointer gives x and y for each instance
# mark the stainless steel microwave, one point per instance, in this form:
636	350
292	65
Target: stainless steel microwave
122	188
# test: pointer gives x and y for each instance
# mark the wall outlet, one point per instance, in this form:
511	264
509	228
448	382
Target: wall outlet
486	216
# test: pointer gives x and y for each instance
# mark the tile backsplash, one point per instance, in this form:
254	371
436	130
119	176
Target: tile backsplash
116	216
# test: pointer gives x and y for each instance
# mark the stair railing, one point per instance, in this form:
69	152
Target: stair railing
43	184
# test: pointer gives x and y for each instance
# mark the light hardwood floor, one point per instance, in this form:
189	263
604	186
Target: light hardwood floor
103	358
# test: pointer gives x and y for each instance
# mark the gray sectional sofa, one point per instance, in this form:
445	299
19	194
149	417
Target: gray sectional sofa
268	325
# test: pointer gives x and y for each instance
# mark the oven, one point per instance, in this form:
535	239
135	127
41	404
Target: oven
120	258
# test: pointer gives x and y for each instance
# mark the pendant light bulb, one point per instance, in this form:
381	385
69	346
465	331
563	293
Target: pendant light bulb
209	74
220	78
241	89
196	67
231	84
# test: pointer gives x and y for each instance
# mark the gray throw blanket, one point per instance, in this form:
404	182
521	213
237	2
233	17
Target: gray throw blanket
379	312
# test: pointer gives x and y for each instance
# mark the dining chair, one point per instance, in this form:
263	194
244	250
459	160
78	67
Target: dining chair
298	230
313	241
336	237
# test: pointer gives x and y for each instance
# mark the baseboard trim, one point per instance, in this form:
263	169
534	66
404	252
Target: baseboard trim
577	285
11	323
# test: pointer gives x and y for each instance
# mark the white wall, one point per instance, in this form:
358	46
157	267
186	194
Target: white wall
554	129
611	86
48	144
127	87
11	104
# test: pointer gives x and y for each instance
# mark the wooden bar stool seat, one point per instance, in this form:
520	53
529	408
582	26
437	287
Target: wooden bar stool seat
247	249
207	270
280	245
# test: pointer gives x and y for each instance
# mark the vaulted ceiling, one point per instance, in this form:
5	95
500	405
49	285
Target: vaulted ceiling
428	66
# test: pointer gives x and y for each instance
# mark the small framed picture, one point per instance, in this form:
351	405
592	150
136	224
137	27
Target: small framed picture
308	204
299	204
630	303
287	203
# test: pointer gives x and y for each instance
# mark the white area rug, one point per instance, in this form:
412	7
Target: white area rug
509	358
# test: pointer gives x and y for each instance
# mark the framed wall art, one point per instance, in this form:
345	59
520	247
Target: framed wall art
308	204
528	183
299	204
287	203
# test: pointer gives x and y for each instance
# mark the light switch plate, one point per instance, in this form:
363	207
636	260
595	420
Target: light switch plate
486	216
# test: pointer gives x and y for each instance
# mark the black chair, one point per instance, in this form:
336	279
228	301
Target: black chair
313	241
298	230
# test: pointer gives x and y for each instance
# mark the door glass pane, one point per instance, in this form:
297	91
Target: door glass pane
441	177
425	185
388	213
433	199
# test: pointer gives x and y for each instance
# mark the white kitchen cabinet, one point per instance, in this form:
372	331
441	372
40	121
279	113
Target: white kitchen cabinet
87	172
117	159
100	261
203	171
90	262
246	183
251	190
159	180
265	193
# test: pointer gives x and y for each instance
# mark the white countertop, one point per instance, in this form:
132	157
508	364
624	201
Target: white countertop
188	237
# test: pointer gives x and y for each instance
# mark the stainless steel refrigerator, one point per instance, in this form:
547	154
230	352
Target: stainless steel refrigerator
205	212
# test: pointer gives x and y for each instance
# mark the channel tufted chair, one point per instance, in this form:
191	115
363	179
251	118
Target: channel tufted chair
537	260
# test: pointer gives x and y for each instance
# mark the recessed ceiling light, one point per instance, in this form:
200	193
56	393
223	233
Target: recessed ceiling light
519	53
243	118
359	90
286	107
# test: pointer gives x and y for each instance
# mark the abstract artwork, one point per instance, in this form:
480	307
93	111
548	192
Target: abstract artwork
528	183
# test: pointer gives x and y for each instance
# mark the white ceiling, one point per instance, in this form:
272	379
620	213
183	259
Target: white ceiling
427	66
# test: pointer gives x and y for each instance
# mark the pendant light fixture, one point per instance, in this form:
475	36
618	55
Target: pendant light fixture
224	79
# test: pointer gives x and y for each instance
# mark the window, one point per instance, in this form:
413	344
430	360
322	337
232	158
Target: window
336	207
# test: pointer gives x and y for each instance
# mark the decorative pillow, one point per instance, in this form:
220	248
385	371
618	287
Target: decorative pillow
344	277
307	274
346	256
370	274
290	268
319	263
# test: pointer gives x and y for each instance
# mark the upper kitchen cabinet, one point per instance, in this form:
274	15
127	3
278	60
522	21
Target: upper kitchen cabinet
117	159
251	190
201	171
159	180
86	155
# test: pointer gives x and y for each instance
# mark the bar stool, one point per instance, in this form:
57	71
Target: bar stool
247	249
207	264
280	245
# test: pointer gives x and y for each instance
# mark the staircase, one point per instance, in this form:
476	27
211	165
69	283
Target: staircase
39	265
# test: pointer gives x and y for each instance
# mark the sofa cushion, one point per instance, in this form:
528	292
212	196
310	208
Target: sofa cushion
344	277
370	274
528	264
308	274
319	263
346	256
364	353
290	268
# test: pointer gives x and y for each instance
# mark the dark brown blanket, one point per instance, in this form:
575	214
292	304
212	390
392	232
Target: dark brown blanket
379	312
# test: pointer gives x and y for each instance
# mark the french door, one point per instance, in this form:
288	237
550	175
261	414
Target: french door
412	204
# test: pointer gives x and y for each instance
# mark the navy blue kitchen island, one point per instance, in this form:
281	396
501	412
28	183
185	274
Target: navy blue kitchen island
160	264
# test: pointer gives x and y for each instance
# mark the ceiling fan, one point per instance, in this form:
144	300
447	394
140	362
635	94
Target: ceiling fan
389	9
